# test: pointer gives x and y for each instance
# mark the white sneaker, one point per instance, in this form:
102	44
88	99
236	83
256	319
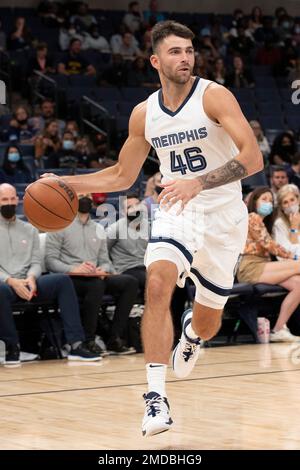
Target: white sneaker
283	336
187	351
157	414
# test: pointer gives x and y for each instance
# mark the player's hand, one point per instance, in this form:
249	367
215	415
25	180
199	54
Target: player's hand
178	191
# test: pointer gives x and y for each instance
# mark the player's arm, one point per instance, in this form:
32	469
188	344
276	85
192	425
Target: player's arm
220	106
131	158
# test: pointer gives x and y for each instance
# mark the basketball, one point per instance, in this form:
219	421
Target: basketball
50	204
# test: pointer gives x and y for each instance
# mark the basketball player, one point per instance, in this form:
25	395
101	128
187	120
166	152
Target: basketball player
205	146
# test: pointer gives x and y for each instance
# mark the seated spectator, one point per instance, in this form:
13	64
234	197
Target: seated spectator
93	40
128	48
72	126
286	228
66	156
74	61
20	37
294	170
67	32
261	140
218	73
283	148
256	19
81	250
85	151
139	74
240	77
41	61
14	170
133	19
243	43
20	279
49	141
278	179
256	265
20	130
47	113
116	74
83	19
153	15
201	67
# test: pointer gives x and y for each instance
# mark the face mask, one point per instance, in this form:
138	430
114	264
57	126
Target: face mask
84	205
132	217
13	157
68	144
265	208
8	211
292	209
286	24
158	189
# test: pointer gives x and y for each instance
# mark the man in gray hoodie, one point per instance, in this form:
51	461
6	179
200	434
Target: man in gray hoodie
21	279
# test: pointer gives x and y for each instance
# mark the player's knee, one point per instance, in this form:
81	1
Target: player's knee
207	326
158	289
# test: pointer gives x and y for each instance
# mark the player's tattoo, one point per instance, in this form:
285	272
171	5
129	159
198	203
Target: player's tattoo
231	171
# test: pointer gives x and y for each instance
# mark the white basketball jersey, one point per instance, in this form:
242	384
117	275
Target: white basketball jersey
189	144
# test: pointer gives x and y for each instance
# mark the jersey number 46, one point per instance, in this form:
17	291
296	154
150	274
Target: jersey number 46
192	160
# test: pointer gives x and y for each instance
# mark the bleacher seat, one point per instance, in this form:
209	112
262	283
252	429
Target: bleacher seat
134	94
272	122
269	108
267	94
253	181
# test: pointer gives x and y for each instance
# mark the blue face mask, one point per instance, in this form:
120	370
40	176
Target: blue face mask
265	208
68	144
13	157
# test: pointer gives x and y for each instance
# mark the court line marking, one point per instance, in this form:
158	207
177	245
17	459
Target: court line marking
145	383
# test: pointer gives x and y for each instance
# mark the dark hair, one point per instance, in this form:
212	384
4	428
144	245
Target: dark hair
296	158
133	196
20	165
269	219
275	168
163	29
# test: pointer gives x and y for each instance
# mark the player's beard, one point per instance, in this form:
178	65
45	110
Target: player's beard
178	77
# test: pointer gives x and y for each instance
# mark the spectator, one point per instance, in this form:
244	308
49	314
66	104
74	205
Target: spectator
133	19
294	170
139	74
66	156
283	148
286	227
279	178
20	129
153	190
72	126
240	77
93	40
85	151
127	48
261	139
41	62
67	32
14	170
153	15
74	62
219	71
116	74
49	141
20	279
47	113
81	250
256	19
83	19
256	265
21	37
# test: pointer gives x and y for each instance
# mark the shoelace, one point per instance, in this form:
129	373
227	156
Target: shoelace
153	405
189	350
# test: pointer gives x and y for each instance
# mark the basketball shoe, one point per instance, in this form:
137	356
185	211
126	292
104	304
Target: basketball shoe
187	351
157	414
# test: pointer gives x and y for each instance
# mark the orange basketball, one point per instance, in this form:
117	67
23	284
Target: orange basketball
50	204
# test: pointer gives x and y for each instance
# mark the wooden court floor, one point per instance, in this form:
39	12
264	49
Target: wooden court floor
238	397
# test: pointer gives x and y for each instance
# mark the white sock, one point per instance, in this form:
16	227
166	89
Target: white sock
190	332
156	377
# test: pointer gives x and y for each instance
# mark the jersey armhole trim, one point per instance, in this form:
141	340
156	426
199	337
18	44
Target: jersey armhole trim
217	124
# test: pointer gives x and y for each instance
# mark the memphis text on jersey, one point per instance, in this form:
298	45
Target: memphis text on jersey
179	138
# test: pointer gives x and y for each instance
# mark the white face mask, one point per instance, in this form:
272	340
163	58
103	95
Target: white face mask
291	210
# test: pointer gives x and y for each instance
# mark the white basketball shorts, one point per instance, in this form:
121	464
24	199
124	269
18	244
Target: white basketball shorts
204	247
